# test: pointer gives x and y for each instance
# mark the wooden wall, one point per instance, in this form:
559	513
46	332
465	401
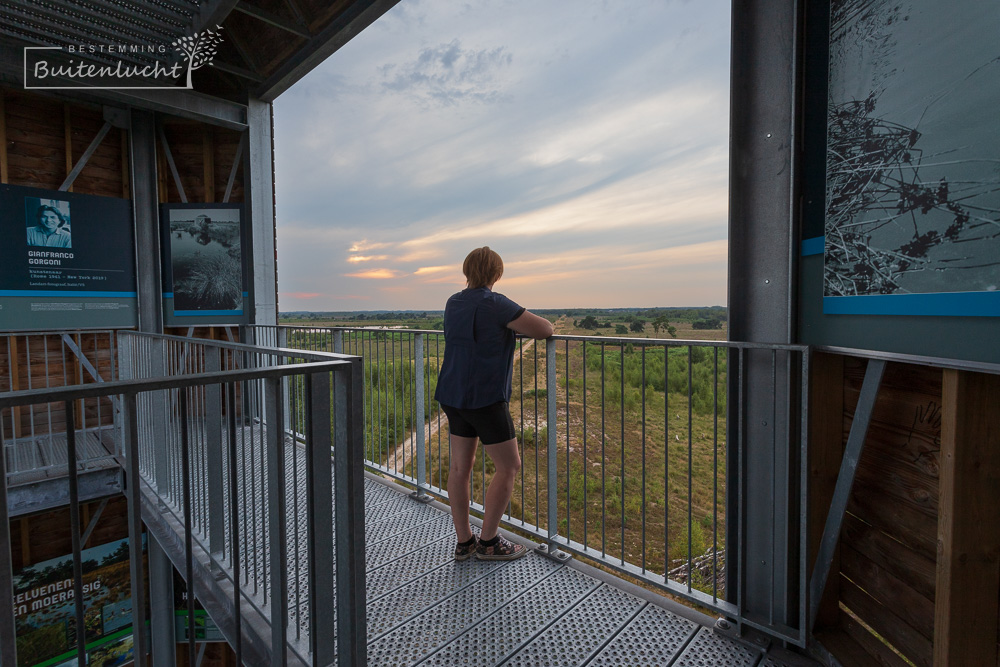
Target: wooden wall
890	589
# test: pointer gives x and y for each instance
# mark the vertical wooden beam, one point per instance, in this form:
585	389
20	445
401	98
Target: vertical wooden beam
4	175
161	173
15	384
968	563
126	191
208	161
826	450
25	542
68	134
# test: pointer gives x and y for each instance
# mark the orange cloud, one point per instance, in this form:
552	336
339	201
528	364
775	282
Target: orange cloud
376	274
301	295
366	258
365	244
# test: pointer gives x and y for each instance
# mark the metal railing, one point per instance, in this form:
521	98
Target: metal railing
632	448
250	514
35	435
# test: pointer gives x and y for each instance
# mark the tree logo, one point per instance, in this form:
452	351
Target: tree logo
198	49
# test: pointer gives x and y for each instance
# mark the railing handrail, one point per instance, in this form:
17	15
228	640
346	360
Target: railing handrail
94	390
615	340
243	347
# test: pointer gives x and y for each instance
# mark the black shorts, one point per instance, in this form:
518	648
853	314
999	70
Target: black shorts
491	424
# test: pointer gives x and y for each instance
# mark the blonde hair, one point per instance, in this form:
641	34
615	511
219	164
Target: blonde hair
482	267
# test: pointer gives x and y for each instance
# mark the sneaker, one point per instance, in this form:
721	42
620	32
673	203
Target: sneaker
503	549
464	550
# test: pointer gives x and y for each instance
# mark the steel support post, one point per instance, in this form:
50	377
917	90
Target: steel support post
349	505
319	490
338	342
762	254
213	444
275	439
259	167
146	217
421	457
161	605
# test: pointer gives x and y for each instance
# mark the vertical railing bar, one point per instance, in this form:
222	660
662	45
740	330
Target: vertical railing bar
604	437
715	476
293	389
437	371
621	474
234	522
586	460
188	542
135	534
538	435
551	494
741	494
569	476
520	367
278	574
69	409
774	473
666	461
643	399
320	516
804	601
690	455
419	414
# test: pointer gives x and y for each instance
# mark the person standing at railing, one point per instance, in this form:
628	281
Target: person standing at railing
474	387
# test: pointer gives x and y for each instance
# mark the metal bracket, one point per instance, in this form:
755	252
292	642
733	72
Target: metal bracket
845	480
421	497
555	554
120	118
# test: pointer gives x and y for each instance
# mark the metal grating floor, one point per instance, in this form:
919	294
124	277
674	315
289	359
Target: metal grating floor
426	609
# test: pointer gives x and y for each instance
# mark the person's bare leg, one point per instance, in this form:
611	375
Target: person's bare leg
507	462
463	456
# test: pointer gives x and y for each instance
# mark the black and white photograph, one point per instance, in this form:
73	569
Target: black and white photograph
205	257
913	176
48	223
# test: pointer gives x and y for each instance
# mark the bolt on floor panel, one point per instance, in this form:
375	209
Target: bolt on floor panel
576	636
654	637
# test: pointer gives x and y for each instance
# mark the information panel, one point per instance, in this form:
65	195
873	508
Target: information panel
913	186
203	264
45	611
67	261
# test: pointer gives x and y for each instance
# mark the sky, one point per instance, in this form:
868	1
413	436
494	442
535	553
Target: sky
584	141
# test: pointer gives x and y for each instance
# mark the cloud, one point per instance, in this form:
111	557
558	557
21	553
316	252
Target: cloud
376	274
303	295
366	258
447	74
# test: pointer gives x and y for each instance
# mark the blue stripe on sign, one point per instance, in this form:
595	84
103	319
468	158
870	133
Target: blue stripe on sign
207	313
69	294
168	295
973	304
813	246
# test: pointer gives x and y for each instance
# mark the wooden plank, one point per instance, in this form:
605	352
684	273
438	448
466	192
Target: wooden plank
898	480
886	623
968	565
4	176
883	655
845	648
826	449
208	160
910	606
909	566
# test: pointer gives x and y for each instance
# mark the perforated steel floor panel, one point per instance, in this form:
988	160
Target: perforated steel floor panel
654	637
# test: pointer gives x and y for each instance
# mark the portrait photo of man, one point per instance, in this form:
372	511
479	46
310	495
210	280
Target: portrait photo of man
48	223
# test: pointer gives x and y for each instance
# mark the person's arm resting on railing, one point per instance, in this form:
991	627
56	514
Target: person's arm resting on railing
531	325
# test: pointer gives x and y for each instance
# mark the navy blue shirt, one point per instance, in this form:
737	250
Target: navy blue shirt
478	361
